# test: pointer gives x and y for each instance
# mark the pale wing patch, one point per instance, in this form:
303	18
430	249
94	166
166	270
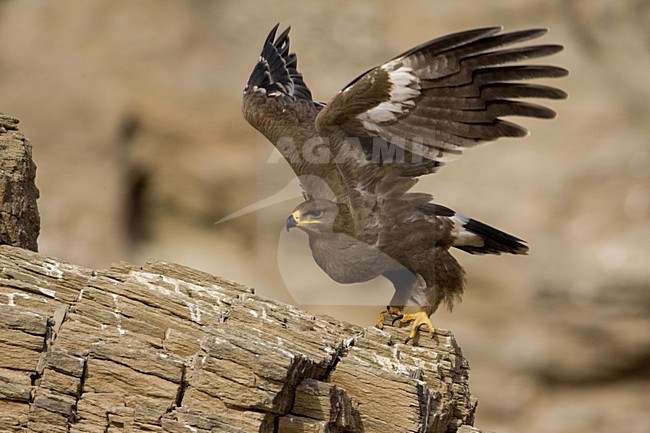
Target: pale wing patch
405	87
464	237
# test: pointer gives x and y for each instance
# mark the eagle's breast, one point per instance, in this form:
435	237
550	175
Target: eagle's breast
347	260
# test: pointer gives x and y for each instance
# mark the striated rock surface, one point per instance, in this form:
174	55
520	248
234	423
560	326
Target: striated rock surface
19	219
166	348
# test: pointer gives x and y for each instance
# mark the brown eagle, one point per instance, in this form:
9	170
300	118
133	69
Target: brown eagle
358	156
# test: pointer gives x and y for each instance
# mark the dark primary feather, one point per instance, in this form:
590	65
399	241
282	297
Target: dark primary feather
277	69
450	41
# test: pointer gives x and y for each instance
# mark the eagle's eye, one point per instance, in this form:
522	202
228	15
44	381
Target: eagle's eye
317	213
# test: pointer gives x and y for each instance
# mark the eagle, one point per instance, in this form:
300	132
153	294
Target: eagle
358	156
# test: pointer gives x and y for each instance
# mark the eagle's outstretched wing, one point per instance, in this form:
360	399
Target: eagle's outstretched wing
278	103
276	72
445	95
423	108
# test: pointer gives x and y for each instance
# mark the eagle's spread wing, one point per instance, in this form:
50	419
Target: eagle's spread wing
445	95
431	103
276	72
278	103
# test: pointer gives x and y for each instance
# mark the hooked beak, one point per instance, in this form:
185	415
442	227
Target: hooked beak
291	222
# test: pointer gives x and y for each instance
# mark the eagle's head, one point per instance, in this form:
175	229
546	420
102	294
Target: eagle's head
315	216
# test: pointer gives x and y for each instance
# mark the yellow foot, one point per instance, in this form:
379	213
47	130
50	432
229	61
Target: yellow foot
390	311
420	318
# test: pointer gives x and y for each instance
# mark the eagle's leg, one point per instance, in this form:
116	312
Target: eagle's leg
418	319
390	311
403	280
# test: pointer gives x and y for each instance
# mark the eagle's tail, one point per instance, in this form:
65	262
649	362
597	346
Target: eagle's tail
475	237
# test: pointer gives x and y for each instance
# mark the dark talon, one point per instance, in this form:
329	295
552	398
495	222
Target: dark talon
407	340
399	316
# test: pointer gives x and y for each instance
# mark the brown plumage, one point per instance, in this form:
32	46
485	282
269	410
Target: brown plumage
358	156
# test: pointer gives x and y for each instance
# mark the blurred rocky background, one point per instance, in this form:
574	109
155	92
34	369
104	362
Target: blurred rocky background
133	109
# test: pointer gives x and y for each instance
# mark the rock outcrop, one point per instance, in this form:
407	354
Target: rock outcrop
19	219
166	348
